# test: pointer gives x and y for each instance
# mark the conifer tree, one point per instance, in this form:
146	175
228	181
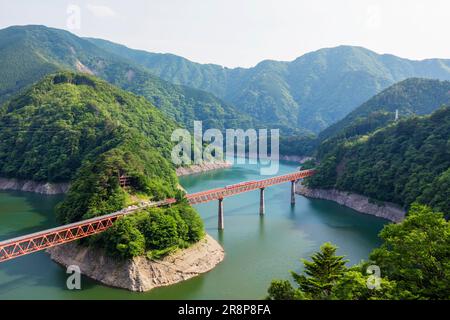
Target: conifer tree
322	273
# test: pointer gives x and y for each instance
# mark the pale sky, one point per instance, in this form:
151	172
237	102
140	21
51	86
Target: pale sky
243	32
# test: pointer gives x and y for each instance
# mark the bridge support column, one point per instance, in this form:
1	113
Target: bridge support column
262	208
220	215
292	192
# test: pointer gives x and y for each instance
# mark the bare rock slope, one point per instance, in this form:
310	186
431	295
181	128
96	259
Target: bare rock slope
33	186
204	167
386	210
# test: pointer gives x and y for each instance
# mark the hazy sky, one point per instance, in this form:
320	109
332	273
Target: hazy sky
243	32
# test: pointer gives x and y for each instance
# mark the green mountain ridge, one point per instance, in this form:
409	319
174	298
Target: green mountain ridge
414	96
299	97
404	162
67	123
27	53
75	127
309	93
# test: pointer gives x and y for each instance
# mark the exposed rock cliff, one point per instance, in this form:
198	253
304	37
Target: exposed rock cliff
33	186
386	210
140	273
205	166
300	159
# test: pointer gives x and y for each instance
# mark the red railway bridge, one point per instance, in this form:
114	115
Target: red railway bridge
41	240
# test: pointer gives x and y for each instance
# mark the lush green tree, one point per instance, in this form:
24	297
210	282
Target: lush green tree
124	240
160	230
182	226
414	262
196	229
322	273
437	193
327	277
354	285
163	230
416	253
325	176
309	164
283	290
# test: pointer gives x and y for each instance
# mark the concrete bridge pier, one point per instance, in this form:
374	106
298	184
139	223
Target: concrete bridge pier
220	225
262	208
293	192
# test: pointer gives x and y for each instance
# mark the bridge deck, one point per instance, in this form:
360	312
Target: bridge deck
220	193
41	240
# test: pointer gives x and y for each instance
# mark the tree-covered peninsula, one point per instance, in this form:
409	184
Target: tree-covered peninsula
75	127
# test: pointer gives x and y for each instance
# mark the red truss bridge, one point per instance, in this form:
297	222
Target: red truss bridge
30	243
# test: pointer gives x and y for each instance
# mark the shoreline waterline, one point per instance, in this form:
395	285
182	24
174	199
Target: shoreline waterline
141	274
258	248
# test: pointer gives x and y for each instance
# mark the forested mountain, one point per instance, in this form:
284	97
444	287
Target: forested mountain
74	127
410	97
68	119
27	53
306	94
413	96
404	162
311	92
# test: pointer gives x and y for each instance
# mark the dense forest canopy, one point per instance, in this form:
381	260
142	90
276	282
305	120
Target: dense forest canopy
75	127
301	97
67	118
414	261
404	162
414	96
309	93
27	53
410	97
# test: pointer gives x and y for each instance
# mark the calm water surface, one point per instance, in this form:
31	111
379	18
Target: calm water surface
257	249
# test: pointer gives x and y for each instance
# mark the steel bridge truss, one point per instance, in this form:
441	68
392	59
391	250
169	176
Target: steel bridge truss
220	193
20	246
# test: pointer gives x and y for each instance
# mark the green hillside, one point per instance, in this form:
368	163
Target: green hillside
74	127
413	96
404	162
27	53
299	97
309	93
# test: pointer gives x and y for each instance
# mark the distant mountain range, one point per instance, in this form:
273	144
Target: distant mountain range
414	96
302	96
27	53
409	97
311	92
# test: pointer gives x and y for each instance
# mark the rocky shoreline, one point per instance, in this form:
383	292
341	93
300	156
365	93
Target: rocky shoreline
47	188
386	210
51	188
140	273
290	158
299	159
204	167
